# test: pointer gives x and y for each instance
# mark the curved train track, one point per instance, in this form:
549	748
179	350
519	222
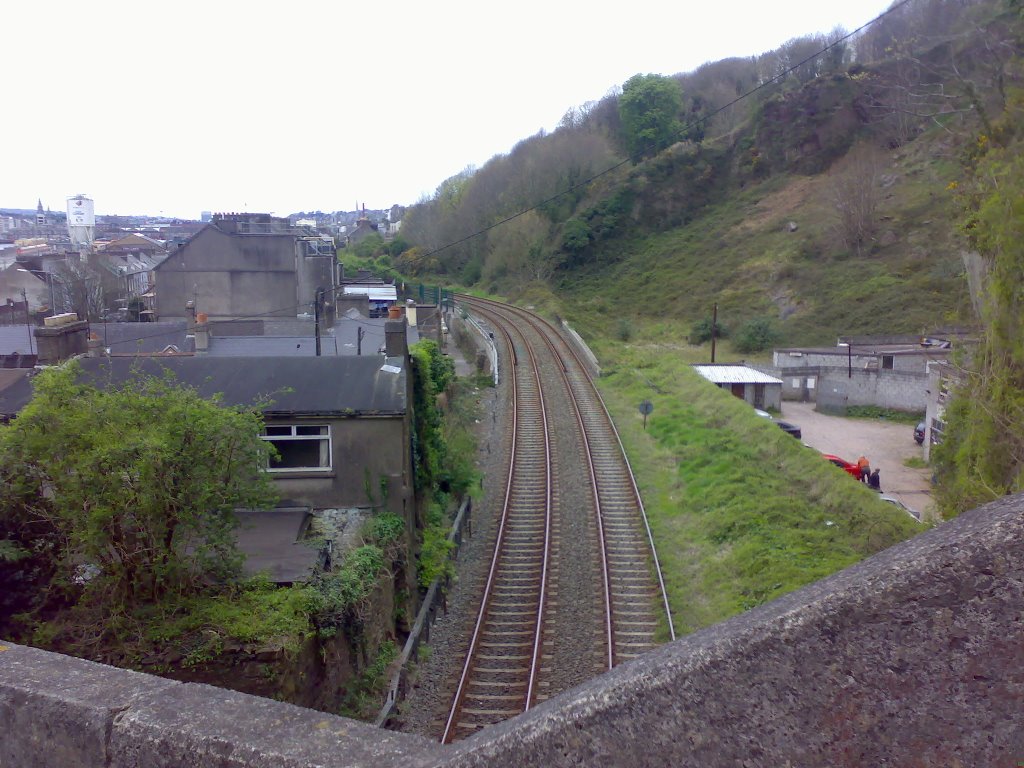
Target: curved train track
519	642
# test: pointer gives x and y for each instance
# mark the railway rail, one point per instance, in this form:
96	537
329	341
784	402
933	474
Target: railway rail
518	643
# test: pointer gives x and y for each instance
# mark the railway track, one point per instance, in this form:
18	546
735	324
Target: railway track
524	638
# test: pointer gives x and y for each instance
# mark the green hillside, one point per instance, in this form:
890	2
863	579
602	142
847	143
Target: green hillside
834	199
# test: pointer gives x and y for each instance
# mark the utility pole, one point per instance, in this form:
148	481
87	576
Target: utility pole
359	340
316	318
714	330
28	323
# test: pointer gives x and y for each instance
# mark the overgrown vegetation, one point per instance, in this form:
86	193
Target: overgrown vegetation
444	452
982	454
817	204
123	498
364	695
885	414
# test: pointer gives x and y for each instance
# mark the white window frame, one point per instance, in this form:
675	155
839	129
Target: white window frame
294	437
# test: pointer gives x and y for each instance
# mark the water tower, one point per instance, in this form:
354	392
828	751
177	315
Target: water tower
81	222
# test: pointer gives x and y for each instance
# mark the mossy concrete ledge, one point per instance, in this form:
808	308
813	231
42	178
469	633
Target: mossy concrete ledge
913	657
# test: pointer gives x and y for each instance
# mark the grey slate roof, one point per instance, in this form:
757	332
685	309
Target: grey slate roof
293	338
17	338
322	386
146	338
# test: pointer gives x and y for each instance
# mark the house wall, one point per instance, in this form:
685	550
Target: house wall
313	272
937	397
365	453
428	322
772	395
885	389
799	383
229	276
908	363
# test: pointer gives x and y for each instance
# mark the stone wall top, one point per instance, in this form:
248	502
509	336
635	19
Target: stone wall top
912	657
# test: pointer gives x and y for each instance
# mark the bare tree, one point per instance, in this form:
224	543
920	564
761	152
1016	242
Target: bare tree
79	288
855	193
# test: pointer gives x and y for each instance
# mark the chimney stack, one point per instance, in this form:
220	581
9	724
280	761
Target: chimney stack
94	346
202	333
394	338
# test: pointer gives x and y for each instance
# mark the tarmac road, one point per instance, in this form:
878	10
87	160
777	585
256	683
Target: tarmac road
885	445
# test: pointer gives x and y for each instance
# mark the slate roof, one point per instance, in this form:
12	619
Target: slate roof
316	386
17	338
144	338
863	350
295	338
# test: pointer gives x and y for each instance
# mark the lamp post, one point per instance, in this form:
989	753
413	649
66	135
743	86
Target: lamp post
849	358
49	281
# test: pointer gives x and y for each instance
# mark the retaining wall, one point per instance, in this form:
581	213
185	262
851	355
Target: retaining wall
914	657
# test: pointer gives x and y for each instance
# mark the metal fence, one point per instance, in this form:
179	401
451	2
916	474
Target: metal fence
436	598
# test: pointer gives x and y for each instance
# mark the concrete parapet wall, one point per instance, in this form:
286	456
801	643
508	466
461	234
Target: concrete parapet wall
586	354
60	711
913	657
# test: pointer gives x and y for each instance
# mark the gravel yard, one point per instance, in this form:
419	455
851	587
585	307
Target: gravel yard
886	445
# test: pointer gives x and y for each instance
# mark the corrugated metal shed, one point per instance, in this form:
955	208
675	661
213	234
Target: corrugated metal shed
735	374
373	292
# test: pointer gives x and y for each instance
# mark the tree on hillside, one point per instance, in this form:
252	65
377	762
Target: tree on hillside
519	250
127	493
649	109
855	195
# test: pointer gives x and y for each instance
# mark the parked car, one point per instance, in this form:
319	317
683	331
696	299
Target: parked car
919	433
899	504
787	427
852	469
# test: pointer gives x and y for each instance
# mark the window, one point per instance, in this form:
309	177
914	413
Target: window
887	361
300	447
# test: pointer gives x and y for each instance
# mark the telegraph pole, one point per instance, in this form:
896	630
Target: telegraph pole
714	329
316	318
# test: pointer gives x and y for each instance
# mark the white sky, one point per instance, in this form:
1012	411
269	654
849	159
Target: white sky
178	107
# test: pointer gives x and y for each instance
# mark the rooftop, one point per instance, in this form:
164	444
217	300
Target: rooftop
730	373
321	386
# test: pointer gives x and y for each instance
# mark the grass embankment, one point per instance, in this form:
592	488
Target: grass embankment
740	511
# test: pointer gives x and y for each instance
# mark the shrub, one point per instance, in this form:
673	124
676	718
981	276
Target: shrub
700	332
756	335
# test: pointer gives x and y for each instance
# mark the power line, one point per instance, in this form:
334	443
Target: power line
680	134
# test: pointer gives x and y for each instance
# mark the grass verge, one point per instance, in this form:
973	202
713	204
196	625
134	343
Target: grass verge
741	513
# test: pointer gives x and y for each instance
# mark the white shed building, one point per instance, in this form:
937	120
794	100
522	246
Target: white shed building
757	388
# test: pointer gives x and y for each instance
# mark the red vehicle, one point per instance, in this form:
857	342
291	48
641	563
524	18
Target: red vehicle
852	469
